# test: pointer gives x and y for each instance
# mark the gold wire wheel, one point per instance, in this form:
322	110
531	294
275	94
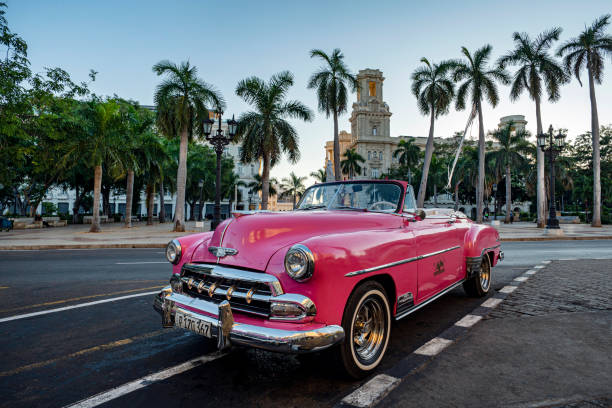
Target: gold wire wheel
485	274
369	329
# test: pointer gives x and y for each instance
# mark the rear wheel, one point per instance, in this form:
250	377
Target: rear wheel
367	326
479	285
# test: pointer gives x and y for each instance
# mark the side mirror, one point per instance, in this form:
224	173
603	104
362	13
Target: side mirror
421	214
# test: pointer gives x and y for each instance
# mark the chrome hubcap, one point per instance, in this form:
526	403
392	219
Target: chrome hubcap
369	329
485	275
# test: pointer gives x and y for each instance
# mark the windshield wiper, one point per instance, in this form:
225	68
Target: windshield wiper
346	207
313	207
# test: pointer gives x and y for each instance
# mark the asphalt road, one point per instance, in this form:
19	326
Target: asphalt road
56	359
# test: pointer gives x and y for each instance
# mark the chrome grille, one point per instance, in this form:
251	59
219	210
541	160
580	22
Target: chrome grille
247	292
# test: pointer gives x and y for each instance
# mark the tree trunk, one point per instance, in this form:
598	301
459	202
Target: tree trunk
181	180
541	188
428	153
106	200
76	204
162	207
435	195
596	155
508	194
265	181
129	197
294	201
481	167
95	222
457	195
337	171
150	202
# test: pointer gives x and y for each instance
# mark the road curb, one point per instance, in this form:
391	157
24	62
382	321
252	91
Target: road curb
545	238
77	246
378	387
157	245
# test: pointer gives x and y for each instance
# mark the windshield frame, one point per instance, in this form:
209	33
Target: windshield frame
398	209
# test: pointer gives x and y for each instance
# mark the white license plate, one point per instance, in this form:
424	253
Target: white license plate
188	322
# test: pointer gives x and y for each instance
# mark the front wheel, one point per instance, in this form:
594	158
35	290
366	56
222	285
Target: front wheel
367	326
479	285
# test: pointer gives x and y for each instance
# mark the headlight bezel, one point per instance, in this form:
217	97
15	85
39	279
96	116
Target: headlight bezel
308	270
177	250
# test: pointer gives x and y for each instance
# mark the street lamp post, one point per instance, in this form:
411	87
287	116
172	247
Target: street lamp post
552	145
219	141
201	185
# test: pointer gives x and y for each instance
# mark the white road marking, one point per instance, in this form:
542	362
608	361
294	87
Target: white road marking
531	272
546	262
491	302
61	309
372	391
468	320
433	346
568	259
508	289
538	267
140	263
144	381
521	278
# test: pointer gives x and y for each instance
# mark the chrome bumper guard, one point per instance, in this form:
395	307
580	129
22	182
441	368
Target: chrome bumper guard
228	332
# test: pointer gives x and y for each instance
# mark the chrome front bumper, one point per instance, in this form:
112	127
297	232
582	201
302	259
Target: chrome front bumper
228	332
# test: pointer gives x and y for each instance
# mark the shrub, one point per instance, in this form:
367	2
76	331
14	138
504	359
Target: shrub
48	208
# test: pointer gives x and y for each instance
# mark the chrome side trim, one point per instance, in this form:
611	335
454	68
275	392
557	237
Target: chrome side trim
428	301
223	272
403	261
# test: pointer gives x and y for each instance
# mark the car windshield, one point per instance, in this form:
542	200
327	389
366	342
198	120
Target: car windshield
352	196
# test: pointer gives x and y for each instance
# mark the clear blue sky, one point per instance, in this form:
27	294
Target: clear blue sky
230	40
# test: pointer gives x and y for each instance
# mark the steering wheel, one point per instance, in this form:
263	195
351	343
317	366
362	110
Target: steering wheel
391	206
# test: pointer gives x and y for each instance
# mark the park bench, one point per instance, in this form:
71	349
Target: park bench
55	221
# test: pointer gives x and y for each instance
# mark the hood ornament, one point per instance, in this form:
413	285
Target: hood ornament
221	252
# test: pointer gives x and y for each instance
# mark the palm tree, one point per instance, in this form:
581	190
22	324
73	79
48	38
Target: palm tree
319	175
408	155
256	186
590	48
294	186
466	171
434	91
265	133
182	99
332	82
478	82
350	164
537	73
512	153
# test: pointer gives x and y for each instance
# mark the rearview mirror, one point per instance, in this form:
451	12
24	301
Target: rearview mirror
421	214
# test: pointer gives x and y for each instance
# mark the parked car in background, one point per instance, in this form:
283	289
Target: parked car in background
335	272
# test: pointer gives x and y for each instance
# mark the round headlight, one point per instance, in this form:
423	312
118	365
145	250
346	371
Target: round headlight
299	263
173	251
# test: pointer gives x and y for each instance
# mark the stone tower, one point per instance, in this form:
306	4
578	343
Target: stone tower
370	117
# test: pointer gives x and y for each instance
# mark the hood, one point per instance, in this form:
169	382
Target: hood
258	236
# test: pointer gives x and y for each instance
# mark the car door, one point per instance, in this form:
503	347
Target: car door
440	255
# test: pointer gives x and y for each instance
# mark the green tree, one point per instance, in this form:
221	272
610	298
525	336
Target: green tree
264	132
434	90
320	175
293	186
332	82
537	73
512	153
350	164
182	101
478	83
256	186
408	155
591	48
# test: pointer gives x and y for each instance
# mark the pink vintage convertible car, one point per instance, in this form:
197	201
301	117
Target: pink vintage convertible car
353	256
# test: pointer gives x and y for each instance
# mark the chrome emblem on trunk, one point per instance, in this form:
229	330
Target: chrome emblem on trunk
221	252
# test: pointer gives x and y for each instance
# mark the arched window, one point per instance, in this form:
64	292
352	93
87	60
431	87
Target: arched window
369	155
380	155
374	130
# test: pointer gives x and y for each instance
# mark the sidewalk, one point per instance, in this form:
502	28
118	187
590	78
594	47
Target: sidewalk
114	235
528	231
549	344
